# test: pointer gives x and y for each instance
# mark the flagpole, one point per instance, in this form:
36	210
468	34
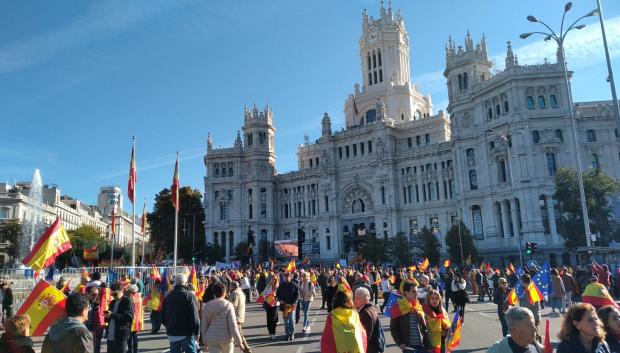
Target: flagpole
143	235
176	223
133	219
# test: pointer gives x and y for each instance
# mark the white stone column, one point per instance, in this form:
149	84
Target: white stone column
551	216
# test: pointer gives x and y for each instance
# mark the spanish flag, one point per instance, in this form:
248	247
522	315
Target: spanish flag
313	278
597	295
510	269
52	244
347	330
512	298
454	335
44	305
291	266
91	254
176	184
424	265
288	310
446	263
137	323
192	278
404	307
533	293
155	275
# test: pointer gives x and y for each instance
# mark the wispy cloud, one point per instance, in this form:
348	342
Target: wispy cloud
61	87
583	48
156	162
103	19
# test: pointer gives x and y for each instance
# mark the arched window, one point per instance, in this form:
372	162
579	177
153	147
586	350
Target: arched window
465	83
498	111
490	113
595	163
369	63
470	154
223	170
460	82
427	138
476	213
369	78
541	102
418	115
590	136
358	206
530	102
473	180
506	107
217	172
379	55
371	116
535	136
374	59
553	100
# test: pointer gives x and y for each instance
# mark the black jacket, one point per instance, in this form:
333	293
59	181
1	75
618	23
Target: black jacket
180	313
368	317
123	318
573	345
15	344
288	293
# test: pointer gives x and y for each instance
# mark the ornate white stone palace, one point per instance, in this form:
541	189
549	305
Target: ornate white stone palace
398	166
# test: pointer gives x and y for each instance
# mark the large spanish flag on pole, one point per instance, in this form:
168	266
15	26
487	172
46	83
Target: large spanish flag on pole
174	190
44	305
131	184
52	243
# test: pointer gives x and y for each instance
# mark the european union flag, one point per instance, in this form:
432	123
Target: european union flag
541	279
112	276
391	301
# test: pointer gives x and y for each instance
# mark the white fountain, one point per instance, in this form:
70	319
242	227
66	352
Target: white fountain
34	225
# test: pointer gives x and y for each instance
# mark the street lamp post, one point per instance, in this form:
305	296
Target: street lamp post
610	72
559	39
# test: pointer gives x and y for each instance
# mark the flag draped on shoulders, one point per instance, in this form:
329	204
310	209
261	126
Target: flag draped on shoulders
44	305
343	332
436	323
597	295
404	307
137	323
52	244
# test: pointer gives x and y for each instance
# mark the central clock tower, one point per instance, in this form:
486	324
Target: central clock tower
384	49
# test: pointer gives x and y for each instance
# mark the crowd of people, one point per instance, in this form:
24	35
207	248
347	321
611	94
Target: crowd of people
209	314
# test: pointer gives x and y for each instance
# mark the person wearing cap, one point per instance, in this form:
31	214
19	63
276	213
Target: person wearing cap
501	299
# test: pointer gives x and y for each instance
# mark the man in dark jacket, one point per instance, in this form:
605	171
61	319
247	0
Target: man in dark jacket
375	279
322	280
181	318
70	335
288	295
119	319
368	318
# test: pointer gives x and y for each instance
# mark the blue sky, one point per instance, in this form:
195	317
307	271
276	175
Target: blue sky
79	78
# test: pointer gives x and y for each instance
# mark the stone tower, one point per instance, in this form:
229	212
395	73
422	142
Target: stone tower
466	66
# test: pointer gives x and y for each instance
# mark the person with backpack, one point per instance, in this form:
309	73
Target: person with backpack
370	321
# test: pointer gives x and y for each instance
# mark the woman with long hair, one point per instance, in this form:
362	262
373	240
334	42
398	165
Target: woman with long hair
270	304
582	331
343	330
610	316
437	321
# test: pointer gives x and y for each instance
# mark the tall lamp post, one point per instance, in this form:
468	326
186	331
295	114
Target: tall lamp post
559	39
610	72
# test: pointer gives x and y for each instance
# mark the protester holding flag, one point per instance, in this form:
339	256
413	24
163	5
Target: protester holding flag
270	304
582	331
530	299
343	331
610	316
386	289
522	337
70	335
288	295
137	324
501	299
15	339
154	301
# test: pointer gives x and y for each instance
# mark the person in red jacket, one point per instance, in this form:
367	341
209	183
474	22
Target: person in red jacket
602	274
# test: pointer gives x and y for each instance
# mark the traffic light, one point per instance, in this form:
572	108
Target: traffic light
528	248
534	248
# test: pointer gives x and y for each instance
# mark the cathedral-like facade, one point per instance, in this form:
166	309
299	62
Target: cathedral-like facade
398	166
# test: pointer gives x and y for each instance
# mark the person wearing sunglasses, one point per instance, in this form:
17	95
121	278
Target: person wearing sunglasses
119	319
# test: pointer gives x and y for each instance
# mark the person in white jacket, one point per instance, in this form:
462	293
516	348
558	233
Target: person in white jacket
219	323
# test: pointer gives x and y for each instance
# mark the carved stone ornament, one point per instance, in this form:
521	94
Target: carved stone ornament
356	201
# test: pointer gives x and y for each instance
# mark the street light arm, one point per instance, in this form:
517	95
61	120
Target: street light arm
552	34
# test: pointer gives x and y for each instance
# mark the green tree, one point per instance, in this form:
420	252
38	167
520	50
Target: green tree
430	245
399	249
598	188
374	249
212	253
242	252
10	232
85	236
191	218
453	242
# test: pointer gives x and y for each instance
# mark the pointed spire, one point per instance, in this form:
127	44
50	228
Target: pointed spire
365	23
389	15
510	56
383	15
238	140
209	141
469	43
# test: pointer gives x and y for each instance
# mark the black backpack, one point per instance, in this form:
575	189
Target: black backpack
380	337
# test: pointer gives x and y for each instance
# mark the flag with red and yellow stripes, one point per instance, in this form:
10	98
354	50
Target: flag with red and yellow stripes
44	305
174	190
52	243
131	184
